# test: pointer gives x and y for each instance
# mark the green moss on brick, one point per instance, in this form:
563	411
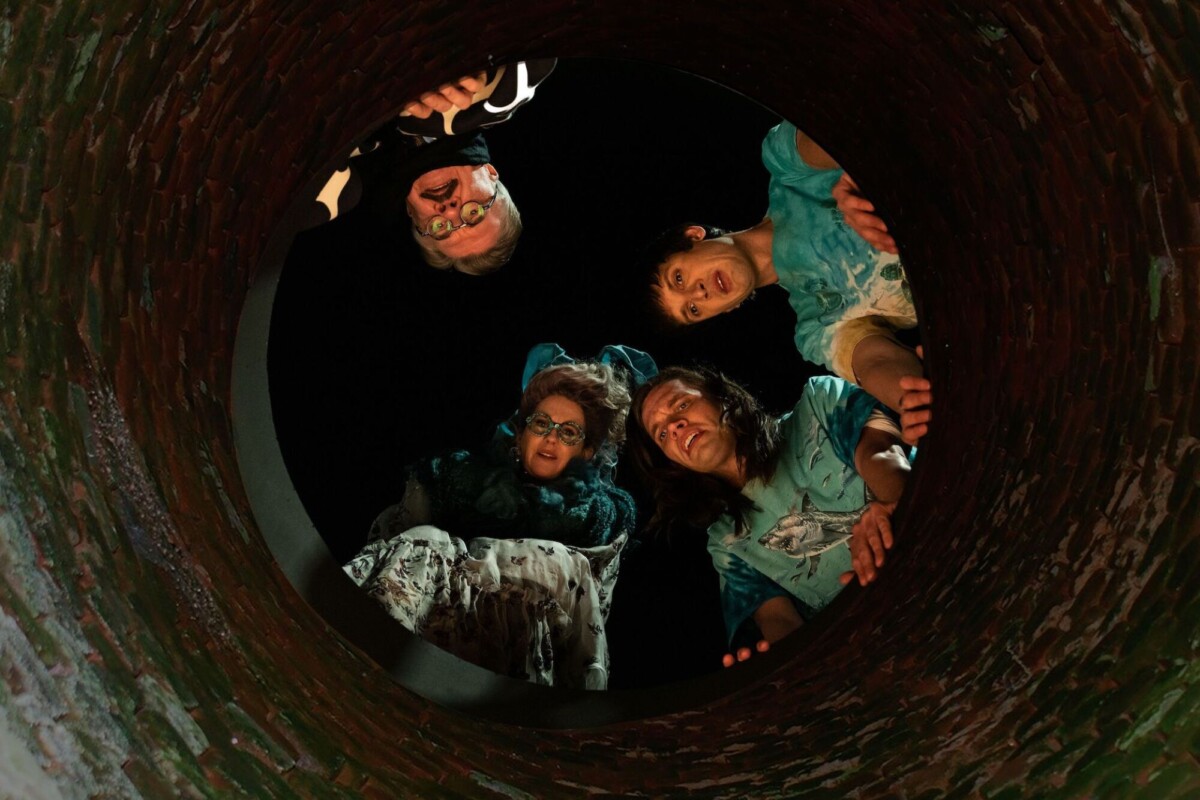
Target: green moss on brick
1180	779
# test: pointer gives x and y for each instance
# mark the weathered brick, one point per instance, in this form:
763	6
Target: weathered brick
140	181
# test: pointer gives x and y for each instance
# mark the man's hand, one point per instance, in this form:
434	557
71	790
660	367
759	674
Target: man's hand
915	411
870	537
449	95
743	653
859	213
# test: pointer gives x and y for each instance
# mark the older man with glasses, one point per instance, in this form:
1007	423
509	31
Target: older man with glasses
430	167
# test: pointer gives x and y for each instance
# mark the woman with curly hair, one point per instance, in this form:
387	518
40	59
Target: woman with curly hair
507	556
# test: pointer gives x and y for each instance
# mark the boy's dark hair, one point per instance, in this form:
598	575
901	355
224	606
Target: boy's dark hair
686	498
671	241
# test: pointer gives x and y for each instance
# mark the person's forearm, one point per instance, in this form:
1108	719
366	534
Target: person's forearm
881	462
879	364
776	618
813	154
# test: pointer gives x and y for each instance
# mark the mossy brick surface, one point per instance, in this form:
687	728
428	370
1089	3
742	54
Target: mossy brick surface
1034	642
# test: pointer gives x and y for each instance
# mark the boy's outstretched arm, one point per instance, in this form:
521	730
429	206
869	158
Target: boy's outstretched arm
879	363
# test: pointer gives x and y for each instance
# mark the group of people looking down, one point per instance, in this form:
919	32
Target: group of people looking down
507	554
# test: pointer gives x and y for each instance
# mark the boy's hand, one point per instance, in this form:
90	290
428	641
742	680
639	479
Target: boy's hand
915	411
869	539
859	213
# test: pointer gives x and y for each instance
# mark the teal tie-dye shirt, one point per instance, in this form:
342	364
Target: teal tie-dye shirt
830	273
796	539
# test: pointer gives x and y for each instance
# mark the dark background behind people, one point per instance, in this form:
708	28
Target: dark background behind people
376	359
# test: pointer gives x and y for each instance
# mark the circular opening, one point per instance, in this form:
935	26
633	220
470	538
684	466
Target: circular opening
1040	165
377	360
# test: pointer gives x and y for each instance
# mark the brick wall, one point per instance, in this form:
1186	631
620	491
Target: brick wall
1037	633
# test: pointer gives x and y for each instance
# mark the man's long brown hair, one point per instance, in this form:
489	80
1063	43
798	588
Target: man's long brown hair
686	498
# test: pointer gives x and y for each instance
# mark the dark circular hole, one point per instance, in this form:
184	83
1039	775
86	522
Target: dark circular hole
377	361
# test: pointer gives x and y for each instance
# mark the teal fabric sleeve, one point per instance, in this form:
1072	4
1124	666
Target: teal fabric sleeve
843	409
743	590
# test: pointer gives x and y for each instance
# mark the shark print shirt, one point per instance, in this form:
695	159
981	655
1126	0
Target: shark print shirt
796	540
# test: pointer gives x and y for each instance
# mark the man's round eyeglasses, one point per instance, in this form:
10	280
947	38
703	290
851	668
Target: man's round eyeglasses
540	424
472	213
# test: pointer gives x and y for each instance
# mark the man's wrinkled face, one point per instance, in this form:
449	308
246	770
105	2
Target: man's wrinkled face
710	279
443	193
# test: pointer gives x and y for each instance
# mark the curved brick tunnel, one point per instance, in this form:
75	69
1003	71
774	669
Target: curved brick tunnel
1036	634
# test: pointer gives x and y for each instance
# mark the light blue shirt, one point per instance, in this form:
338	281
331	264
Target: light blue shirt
830	272
796	539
